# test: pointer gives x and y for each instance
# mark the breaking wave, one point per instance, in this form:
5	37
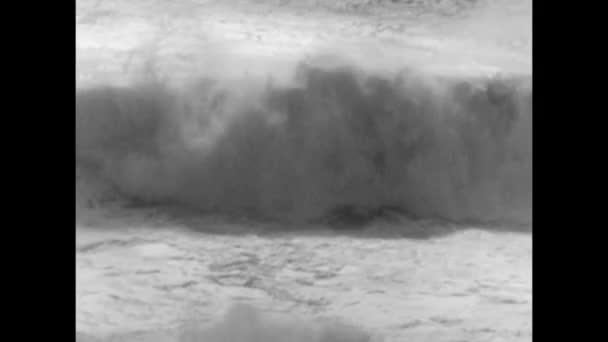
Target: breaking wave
329	139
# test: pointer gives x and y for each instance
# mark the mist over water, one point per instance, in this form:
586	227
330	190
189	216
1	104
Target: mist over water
329	138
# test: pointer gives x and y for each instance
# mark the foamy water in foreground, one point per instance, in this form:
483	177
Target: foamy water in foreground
153	280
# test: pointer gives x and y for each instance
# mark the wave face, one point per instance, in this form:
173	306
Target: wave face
455	149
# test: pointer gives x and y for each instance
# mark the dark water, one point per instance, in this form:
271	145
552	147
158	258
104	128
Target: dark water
330	142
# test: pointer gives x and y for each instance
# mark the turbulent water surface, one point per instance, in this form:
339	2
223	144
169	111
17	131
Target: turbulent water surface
303	171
